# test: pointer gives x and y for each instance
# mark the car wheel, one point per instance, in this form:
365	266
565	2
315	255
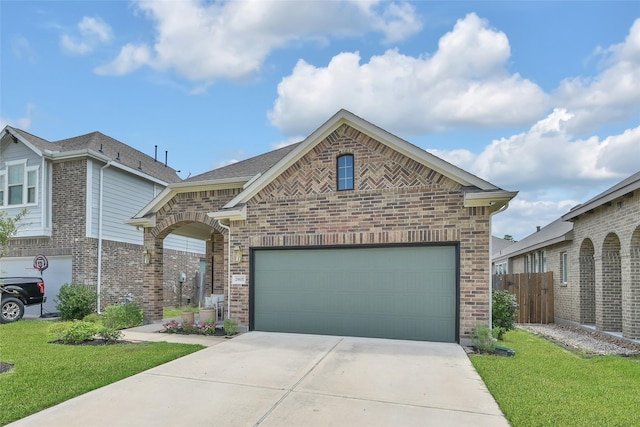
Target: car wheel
11	310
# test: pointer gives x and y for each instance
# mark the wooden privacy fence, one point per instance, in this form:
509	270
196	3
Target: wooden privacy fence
534	295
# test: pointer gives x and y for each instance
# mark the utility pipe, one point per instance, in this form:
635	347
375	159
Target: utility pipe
228	228
100	215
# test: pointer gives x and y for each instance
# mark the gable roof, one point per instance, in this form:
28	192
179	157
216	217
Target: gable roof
100	146
478	193
622	188
556	232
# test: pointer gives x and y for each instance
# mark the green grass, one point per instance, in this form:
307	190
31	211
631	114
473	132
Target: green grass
46	374
547	385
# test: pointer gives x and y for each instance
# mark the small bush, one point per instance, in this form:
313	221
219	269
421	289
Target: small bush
482	339
75	301
122	316
504	311
498	332
230	327
75	332
92	318
109	334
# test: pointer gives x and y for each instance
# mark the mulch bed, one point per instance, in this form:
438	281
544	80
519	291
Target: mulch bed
95	342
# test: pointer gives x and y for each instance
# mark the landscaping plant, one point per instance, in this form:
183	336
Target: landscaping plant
75	301
122	316
503	314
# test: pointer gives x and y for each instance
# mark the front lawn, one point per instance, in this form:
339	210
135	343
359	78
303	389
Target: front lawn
45	374
547	385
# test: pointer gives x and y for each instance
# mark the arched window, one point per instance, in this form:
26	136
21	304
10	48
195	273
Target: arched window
345	172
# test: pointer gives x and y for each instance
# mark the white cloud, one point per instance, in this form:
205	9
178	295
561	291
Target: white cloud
613	95
206	41
22	50
23	123
93	31
131	58
548	156
465	83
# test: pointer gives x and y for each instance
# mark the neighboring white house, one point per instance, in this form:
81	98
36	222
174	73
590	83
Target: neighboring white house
79	192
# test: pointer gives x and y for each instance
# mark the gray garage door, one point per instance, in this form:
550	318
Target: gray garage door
396	292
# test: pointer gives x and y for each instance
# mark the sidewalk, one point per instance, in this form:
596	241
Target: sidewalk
151	332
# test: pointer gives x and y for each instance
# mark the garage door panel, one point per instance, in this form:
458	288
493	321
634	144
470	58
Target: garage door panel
399	292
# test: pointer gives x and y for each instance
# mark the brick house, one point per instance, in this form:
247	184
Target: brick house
594	253
352	231
79	192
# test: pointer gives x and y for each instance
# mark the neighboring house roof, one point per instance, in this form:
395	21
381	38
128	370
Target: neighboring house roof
622	188
100	146
556	232
249	167
498	245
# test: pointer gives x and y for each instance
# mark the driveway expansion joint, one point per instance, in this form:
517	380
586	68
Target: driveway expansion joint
291	389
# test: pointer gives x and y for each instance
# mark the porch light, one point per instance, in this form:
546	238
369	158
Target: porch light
237	254
147	256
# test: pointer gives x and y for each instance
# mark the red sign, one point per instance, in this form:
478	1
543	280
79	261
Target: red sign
40	263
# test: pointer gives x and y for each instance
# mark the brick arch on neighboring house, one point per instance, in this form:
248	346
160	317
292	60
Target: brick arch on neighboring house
587	282
153	301
631	316
611	285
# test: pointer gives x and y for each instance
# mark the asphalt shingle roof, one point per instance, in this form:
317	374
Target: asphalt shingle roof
246	168
109	147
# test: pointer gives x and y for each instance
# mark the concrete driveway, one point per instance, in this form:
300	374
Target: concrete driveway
271	379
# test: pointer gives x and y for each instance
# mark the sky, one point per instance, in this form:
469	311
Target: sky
539	97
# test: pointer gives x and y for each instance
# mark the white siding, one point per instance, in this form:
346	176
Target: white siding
124	196
34	223
181	243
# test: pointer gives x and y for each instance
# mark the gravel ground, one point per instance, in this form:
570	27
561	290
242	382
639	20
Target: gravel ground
590	342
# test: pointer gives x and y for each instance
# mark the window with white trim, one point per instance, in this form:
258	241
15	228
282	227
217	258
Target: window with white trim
345	172
564	267
18	184
501	268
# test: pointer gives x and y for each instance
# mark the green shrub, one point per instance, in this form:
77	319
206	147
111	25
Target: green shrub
230	327
75	301
482	339
122	316
75	332
109	334
92	318
504	312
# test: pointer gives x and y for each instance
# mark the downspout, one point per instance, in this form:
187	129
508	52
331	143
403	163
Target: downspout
99	278
228	228
502	209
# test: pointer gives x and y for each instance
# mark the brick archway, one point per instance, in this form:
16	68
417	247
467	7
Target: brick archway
587	283
631	314
611	288
153	286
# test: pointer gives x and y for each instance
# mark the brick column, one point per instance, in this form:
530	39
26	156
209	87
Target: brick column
152	289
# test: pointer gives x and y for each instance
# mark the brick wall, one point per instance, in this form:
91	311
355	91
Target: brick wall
122	263
603	263
396	200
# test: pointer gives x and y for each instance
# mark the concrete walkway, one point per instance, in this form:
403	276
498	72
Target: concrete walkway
271	379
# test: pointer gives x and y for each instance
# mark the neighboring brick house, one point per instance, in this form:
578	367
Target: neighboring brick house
594	253
352	231
79	192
